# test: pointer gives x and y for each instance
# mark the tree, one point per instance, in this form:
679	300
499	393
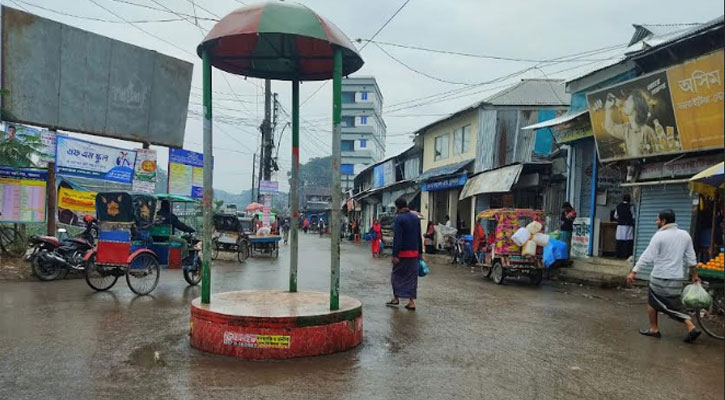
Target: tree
18	153
316	172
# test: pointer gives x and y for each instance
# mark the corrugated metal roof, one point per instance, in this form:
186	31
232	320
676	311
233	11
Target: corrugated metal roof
444	170
556	121
532	92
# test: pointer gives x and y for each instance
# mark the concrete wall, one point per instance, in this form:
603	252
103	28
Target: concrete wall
447	127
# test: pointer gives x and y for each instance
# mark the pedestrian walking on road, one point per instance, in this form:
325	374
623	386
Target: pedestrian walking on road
430	238
670	250
376	236
479	240
625	227
407	250
285	230
305	224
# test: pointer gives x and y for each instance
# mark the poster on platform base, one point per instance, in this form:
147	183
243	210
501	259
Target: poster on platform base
186	173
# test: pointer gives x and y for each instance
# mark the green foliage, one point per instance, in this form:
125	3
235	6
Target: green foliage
316	172
18	153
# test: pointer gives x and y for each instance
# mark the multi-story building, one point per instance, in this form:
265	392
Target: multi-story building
363	128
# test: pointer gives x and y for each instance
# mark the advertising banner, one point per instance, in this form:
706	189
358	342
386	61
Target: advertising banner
671	111
267	187
144	171
186	173
22	195
74	204
384	174
44	141
75	157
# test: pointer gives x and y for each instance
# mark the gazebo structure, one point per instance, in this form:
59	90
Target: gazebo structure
283	41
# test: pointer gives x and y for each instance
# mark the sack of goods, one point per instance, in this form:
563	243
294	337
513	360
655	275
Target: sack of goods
521	236
534	227
529	248
694	297
264	231
541	239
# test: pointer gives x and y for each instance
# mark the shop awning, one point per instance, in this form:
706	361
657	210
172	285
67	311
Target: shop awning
407	195
494	181
708	181
556	121
444	170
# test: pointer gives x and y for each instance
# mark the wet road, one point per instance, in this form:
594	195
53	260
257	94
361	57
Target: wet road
469	339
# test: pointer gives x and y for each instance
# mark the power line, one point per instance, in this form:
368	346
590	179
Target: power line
58	12
159	9
418	71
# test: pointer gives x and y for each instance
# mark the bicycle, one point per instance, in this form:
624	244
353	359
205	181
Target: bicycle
712	320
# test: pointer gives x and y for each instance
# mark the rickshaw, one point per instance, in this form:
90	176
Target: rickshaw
123	246
168	252
504	258
229	236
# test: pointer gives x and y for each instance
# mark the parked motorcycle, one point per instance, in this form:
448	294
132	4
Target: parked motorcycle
51	257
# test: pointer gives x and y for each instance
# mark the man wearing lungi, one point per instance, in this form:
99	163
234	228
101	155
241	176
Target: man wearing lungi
407	249
671	252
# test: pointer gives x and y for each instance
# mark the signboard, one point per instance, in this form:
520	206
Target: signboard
22	195
384	174
684	167
575	129
74	204
255	341
43	139
186	173
266	210
63	77
268	187
145	171
580	237
445	183
671	111
75	157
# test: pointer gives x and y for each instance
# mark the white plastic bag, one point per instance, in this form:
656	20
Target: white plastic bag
534	227
694	297
529	249
541	239
521	236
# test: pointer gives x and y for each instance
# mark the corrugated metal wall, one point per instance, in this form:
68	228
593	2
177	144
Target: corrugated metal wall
486	140
654	199
526	139
505	137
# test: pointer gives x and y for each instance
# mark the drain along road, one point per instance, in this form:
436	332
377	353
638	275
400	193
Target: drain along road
469	339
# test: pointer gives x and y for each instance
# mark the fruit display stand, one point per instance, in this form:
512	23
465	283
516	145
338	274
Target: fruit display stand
713	269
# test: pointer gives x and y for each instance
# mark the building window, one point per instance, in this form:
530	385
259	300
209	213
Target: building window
441	147
347	169
348	145
348	97
364	120
363	143
348	121
364	95
462	140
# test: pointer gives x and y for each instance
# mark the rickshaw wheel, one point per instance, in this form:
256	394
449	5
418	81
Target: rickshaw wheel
193	277
242	250
486	271
215	249
498	273
536	277
96	279
144	272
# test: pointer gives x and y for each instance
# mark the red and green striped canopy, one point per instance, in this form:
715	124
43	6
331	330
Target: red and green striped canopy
278	40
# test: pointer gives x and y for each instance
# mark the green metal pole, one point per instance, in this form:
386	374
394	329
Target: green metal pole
208	184
336	188
294	189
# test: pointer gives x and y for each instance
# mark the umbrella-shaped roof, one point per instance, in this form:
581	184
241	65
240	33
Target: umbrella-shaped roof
254	207
709	180
278	40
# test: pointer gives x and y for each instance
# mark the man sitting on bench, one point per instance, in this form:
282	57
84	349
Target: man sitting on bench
167	217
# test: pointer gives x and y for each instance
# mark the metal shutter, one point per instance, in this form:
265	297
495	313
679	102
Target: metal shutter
654	199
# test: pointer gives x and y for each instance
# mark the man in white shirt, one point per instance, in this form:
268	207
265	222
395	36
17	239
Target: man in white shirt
448	222
670	250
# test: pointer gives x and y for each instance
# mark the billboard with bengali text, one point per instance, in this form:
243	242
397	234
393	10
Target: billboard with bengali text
22	195
676	110
76	157
186	173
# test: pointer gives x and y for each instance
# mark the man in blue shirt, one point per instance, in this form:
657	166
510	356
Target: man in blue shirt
407	249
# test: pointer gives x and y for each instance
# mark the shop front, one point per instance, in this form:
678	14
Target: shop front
440	191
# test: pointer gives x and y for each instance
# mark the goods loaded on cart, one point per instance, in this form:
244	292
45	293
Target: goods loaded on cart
518	246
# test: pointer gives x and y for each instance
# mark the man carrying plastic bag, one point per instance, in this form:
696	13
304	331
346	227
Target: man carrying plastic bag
670	250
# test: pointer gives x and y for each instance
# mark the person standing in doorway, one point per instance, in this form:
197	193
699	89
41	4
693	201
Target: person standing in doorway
669	251
430	238
625	227
407	249
568	215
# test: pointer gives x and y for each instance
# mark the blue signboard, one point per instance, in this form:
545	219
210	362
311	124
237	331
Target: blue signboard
186	173
444	183
75	157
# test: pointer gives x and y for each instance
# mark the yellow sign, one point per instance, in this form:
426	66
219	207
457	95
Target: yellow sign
697	98
77	200
255	341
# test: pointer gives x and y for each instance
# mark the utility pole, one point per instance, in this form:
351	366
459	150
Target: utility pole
267	142
254	164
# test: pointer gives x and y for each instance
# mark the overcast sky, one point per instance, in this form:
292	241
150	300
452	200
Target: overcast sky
531	30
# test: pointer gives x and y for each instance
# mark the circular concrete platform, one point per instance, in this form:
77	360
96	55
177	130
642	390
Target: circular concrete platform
274	324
